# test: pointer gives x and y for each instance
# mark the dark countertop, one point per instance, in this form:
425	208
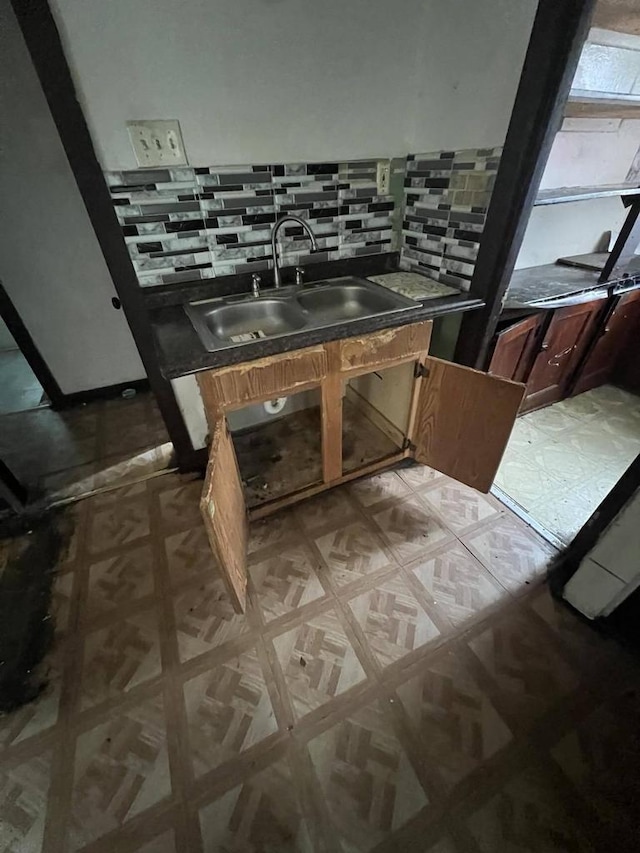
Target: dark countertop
180	351
533	284
544	282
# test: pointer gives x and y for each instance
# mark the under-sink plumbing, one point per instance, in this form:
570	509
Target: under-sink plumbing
277	281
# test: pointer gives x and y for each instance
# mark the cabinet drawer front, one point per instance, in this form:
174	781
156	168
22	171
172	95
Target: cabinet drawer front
256	381
388	345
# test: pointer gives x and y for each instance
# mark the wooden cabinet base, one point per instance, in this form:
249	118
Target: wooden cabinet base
276	504
286	455
566	339
455	419
612	354
570	350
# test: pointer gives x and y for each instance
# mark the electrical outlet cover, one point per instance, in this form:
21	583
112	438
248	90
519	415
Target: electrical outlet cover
157	142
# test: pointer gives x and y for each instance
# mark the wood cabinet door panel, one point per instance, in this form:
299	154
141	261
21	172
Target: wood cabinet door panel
515	349
565	341
612	337
239	385
225	518
386	347
626	372
464	420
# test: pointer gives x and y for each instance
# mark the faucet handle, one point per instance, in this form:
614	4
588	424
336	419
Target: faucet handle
255	284
299	276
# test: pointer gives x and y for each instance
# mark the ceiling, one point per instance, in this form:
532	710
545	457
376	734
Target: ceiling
620	15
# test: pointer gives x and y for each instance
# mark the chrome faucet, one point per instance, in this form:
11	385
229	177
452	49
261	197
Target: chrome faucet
274	242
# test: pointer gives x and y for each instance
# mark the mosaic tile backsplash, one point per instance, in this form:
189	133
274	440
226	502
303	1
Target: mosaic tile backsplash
446	196
196	223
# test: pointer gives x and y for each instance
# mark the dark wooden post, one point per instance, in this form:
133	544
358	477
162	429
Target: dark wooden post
625	246
559	31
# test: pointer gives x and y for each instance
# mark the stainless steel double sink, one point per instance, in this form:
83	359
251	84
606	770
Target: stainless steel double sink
237	320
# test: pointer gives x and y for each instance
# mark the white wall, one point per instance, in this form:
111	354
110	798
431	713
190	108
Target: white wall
50	261
471	56
249	80
257	81
591	152
560	230
588	152
611	570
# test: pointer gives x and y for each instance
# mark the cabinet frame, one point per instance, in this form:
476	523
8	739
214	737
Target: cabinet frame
531	350
325	367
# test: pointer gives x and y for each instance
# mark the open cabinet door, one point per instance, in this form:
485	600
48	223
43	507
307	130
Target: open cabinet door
224	513
463	421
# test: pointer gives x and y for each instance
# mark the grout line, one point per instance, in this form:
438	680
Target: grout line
524	515
187	833
63	764
314	802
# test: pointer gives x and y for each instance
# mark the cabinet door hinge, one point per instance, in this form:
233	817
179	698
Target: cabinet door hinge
420	371
408	445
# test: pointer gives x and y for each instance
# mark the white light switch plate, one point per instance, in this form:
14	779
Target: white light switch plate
383	176
157	143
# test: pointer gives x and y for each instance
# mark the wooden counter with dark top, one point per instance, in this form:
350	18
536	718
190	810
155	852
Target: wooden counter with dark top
180	351
532	285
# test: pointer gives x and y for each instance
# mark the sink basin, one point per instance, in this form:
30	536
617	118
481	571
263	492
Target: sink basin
233	321
350	300
249	320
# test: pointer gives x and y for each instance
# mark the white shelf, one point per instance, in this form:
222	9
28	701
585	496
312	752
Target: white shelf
587	104
560	195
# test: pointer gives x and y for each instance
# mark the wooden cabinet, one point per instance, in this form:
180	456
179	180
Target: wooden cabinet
565	341
516	348
626	373
252	382
392	346
456	419
612	353
546	349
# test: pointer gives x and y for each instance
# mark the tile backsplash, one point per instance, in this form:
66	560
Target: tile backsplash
446	196
195	223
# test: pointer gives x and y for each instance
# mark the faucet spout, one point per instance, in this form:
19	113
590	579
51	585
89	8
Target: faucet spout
277	280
